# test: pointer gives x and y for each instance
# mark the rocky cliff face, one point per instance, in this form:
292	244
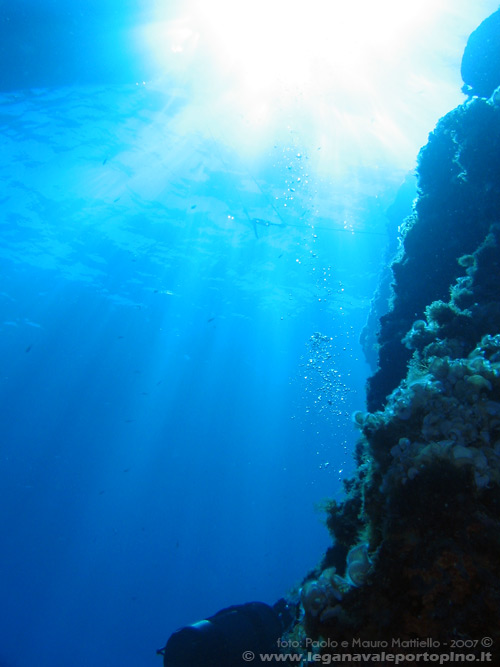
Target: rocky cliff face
459	199
416	542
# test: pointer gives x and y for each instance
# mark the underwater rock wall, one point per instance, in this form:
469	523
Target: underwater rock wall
416	542
416	550
459	198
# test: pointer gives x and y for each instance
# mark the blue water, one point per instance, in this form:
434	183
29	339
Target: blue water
179	324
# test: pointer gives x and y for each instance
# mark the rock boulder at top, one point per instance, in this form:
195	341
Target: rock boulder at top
481	60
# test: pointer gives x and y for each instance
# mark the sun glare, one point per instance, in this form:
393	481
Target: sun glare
266	43
269	45
368	74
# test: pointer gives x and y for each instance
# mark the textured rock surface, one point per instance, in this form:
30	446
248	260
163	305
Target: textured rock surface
459	198
420	525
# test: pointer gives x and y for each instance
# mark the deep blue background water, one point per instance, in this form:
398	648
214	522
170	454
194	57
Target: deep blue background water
170	421
168	427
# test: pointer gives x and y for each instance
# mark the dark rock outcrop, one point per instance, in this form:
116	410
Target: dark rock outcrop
459	198
481	60
419	528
